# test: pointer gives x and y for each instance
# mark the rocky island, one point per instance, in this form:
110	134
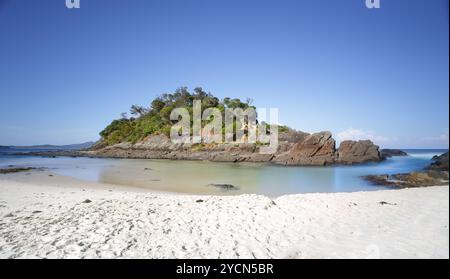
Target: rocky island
145	135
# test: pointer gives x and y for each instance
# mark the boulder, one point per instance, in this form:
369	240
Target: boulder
440	163
225	157
316	149
292	136
351	152
388	153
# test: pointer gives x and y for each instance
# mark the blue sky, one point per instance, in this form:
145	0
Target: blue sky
326	64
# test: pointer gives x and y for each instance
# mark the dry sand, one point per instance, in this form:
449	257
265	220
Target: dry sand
44	216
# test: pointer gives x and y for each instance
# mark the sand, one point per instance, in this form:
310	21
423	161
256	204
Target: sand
44	216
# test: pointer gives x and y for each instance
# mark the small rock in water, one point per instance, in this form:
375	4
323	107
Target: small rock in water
148	169
224	186
36	212
14	170
87	201
199	201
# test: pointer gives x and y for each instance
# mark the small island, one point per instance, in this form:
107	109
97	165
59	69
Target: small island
145	135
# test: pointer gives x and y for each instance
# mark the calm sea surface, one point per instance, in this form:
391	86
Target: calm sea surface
196	177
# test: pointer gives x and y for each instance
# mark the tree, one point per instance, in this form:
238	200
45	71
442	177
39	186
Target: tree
157	105
156	118
138	110
199	93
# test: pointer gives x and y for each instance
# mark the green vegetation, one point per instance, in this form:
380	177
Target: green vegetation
156	118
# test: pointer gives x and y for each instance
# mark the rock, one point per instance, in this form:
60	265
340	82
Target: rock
14	170
87	201
421	179
413	179
98	145
388	153
381	179
225	157
295	148
351	152
224	186
259	158
157	142
440	163
433	175
284	147
292	136
317	149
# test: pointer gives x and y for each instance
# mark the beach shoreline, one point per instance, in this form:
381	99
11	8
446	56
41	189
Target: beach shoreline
46	216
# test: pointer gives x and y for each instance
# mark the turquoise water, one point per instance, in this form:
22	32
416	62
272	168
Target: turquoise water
196	177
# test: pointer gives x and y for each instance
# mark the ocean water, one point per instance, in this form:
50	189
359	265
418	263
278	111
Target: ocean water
196	177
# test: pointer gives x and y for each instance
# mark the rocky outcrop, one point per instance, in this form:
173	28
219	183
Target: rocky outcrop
421	179
157	142
314	150
388	153
409	180
294	148
440	163
434	174
292	136
351	152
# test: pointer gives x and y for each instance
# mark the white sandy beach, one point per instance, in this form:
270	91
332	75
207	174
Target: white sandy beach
44	216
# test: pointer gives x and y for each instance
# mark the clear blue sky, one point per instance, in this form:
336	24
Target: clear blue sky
326	64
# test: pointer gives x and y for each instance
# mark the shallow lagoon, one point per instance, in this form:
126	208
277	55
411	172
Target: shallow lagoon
196	177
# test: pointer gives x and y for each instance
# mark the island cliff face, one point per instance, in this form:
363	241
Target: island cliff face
295	149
